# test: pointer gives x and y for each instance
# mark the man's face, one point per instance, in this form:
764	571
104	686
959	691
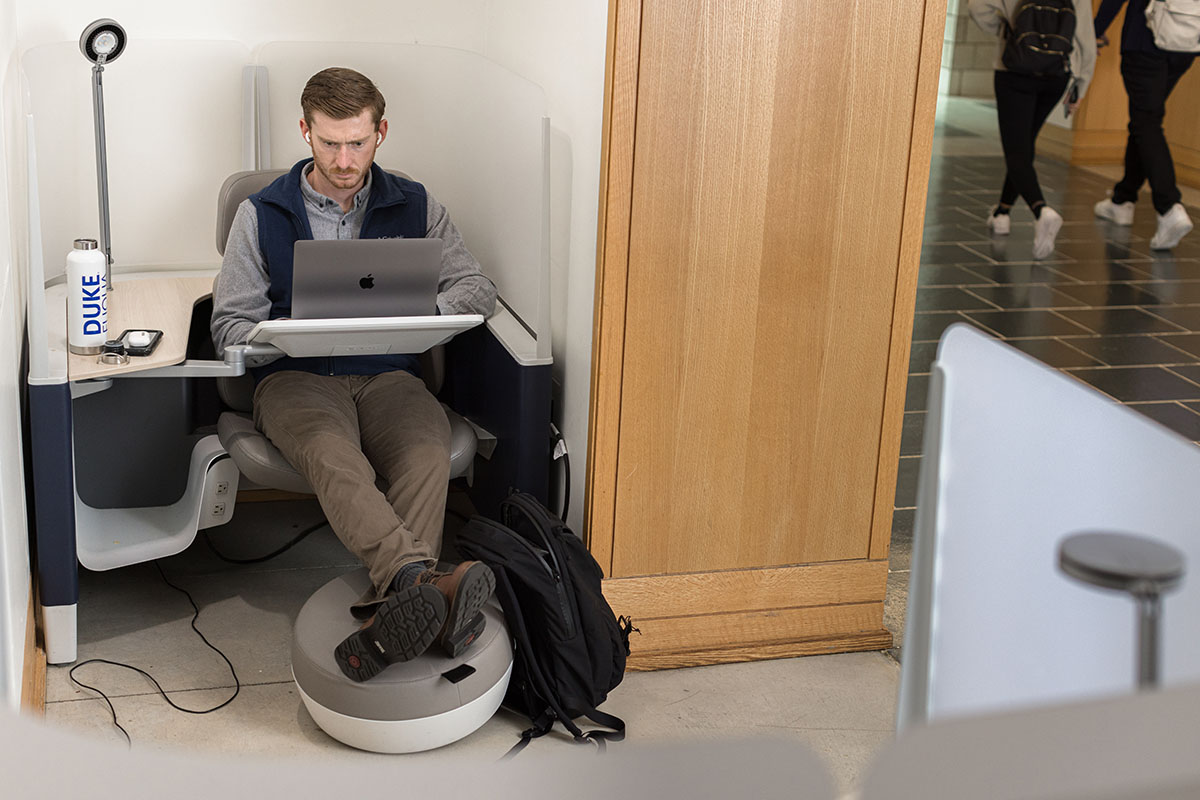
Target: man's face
342	149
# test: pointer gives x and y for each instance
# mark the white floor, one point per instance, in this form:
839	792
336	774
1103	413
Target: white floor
842	707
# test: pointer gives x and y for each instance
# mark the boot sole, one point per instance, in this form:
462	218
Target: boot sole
454	646
473	591
402	629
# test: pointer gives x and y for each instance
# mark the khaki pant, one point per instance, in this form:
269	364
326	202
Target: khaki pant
342	431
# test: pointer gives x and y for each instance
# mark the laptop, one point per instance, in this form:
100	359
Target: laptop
348	278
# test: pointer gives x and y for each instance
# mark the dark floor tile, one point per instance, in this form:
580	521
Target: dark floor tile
917	393
947	298
913	433
1186	317
1027	324
921	356
1110	294
1013	250
1123	351
1187	342
973	218
1181	293
1182	420
928	326
1189	371
1168	269
1188	248
906	482
1136	384
945	232
900	548
1118	321
948	275
1110	272
1025	295
1020	273
949	254
1055	353
1092	250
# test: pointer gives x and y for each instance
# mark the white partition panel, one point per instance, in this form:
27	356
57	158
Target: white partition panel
173	112
1017	456
467	128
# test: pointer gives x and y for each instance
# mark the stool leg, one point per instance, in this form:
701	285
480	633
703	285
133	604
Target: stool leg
1149	608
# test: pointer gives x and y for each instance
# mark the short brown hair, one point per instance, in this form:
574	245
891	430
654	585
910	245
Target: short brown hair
341	93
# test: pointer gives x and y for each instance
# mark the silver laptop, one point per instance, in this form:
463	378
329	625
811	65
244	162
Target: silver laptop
346	278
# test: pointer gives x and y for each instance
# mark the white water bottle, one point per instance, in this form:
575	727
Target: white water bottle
87	299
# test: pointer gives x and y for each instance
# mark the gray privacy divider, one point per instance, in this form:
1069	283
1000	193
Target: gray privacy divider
1017	456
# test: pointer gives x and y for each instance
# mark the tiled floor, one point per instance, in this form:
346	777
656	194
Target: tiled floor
1104	307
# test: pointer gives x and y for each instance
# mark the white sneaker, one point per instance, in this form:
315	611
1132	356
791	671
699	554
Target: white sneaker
999	224
1045	231
1172	226
1120	213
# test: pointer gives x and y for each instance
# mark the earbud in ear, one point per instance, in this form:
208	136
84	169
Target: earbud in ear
378	139
308	138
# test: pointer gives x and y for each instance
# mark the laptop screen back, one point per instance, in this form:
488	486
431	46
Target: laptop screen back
348	278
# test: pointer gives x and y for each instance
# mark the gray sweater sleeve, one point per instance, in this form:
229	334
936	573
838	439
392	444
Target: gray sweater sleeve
240	299
462	286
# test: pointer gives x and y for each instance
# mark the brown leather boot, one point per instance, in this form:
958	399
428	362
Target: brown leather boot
403	626
466	589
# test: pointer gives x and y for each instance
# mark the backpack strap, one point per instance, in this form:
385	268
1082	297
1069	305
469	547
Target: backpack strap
545	723
541	726
602	738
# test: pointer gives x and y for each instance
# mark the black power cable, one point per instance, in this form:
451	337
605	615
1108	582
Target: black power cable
196	614
258	560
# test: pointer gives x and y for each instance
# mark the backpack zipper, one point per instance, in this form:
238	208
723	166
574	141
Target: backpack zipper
521	504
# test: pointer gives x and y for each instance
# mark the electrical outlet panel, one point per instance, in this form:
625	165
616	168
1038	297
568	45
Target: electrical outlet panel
220	492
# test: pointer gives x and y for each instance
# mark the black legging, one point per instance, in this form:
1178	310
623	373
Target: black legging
1149	79
1022	104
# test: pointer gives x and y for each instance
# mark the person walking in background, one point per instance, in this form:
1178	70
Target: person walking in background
1045	54
1149	75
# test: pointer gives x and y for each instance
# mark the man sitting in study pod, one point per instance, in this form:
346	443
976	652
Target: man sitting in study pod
373	414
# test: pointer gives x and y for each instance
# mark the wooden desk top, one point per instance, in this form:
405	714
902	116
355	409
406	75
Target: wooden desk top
160	301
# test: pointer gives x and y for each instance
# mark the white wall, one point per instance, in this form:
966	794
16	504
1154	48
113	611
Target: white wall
14	548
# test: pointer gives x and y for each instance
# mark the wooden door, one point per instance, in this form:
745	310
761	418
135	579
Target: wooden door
748	384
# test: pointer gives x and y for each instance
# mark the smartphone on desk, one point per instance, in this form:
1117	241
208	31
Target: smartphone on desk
139	341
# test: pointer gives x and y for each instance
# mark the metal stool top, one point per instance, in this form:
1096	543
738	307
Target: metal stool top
1122	561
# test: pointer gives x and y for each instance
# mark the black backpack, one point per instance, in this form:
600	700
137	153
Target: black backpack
1040	38
569	648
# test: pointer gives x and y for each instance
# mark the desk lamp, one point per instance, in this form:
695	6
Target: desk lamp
102	41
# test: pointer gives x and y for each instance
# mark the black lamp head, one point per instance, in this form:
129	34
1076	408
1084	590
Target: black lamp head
102	41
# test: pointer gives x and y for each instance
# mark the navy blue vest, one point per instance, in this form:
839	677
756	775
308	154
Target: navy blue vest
396	207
